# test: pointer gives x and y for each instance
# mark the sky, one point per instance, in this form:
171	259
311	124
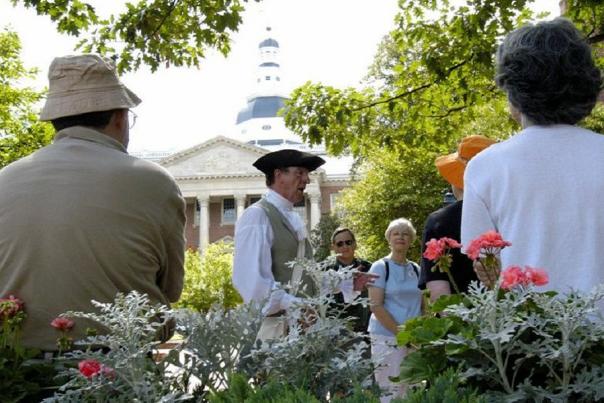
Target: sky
328	41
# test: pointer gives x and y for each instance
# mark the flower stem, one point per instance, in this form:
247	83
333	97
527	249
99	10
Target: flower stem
453	282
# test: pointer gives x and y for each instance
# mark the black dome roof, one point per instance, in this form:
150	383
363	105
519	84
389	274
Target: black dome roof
261	107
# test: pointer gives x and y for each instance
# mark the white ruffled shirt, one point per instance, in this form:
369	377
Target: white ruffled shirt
252	274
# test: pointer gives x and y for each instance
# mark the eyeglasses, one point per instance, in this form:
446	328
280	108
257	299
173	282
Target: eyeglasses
348	242
131	119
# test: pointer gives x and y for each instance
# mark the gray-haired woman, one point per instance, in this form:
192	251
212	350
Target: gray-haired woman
541	189
395	298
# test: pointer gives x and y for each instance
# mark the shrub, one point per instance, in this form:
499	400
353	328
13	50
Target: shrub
23	377
120	367
240	390
446	388
215	346
322	355
208	279
516	345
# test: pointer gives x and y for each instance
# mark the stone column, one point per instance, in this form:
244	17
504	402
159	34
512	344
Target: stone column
315	209
204	221
240	203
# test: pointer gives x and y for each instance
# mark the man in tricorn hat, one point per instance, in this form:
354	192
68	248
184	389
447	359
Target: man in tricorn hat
270	233
446	222
81	219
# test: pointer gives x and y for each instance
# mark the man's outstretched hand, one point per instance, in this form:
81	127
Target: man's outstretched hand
361	280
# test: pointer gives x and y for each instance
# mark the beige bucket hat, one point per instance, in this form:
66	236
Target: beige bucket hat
82	84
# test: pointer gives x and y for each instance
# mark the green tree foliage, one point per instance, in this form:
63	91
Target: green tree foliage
20	130
433	73
595	121
151	32
321	236
430	73
430	85
395	184
208	279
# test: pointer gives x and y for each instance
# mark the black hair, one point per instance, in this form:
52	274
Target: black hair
548	72
98	120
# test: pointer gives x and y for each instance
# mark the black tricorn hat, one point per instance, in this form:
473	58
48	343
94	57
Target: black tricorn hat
288	158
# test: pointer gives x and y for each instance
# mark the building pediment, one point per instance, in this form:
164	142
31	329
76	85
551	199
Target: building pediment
219	156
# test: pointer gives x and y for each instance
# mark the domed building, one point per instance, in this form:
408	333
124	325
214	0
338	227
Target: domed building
217	178
258	123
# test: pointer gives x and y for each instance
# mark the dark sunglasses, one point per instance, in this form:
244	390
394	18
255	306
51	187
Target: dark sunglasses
348	242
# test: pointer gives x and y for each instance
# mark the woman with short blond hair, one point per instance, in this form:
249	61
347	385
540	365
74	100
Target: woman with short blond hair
395	298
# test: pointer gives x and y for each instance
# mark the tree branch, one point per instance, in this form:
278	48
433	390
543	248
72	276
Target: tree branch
449	112
170	10
414	90
404	94
595	39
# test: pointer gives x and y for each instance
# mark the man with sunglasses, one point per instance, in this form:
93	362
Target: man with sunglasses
80	219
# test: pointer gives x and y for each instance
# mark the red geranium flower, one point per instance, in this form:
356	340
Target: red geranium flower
62	324
89	368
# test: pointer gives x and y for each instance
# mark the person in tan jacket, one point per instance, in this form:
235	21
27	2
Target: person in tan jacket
80	219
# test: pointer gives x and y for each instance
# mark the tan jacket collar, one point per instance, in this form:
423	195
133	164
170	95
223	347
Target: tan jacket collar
88	134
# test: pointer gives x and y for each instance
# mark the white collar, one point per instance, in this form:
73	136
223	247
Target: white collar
279	201
287	209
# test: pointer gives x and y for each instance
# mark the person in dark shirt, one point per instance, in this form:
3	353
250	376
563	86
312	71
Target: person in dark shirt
343	243
446	222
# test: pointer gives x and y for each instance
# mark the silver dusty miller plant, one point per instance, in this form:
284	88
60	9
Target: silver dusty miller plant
125	352
320	353
215	346
536	346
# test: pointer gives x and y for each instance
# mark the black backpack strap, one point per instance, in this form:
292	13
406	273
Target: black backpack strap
387	269
413	264
415	268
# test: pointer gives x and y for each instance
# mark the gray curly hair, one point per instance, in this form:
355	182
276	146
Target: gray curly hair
548	72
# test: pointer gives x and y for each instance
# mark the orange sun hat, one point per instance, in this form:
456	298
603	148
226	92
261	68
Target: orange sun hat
452	166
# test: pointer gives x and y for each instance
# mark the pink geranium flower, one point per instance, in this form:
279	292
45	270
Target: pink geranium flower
512	277
62	324
515	276
536	276
436	248
490	242
10	306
